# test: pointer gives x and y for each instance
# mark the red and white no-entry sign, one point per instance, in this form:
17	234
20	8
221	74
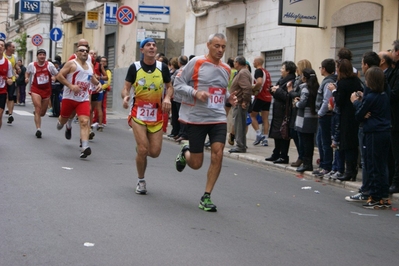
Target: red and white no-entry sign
37	40
125	15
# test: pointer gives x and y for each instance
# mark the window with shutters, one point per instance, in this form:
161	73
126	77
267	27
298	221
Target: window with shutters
16	11
79	27
240	44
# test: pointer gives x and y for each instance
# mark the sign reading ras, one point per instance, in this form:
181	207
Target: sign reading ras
29	6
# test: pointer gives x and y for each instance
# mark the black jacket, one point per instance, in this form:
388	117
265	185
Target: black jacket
281	98
393	80
348	124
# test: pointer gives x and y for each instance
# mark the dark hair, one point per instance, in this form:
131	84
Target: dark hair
312	85
106	59
396	45
290	67
183	60
241	60
329	65
57	58
345	69
344	53
3	42
174	62
164	59
191	57
7	44
375	79
249	66
371	59
41	51
230	62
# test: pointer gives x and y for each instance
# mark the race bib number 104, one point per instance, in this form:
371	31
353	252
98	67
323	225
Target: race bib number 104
216	98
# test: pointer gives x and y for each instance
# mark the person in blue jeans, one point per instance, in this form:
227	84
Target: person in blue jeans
323	137
375	113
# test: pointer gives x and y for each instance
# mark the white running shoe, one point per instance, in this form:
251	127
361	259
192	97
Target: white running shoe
141	188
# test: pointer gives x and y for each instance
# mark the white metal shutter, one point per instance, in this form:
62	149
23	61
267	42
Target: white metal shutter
273	60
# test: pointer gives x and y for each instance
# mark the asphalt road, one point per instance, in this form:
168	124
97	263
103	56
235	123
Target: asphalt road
56	209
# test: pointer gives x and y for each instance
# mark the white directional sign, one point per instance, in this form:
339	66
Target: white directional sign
155	34
55	34
110	13
160	14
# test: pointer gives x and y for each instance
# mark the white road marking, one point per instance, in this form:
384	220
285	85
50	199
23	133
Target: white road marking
24	113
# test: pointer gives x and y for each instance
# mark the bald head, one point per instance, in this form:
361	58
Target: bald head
386	59
83	42
258	62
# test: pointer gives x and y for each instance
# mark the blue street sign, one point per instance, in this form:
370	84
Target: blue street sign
55	34
110	10
30	6
163	10
2	36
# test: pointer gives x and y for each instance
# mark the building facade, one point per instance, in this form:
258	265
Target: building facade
251	27
14	24
119	43
252	30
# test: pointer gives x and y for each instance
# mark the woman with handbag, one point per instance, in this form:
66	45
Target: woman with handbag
307	121
279	127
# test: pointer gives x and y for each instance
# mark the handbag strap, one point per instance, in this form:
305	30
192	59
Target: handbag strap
287	102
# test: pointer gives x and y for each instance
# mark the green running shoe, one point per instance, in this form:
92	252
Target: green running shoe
206	204
180	159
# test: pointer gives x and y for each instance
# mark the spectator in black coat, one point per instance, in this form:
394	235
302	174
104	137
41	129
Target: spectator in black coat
281	108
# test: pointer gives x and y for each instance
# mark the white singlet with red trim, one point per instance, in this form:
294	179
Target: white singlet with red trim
82	78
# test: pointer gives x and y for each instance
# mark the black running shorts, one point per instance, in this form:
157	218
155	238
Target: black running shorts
3	99
259	106
11	92
197	135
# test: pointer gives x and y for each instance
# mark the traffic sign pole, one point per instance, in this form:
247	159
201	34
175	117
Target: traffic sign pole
51	26
55	34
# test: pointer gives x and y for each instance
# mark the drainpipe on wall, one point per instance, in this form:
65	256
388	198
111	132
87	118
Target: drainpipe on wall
245	25
322	15
165	48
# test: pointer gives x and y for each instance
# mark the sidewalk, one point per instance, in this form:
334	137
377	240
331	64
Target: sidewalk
257	154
